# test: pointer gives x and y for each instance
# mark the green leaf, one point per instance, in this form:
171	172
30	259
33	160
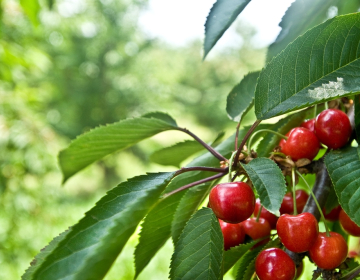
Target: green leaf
177	153
221	16
344	170
234	254
198	253
357	116
331	200
283	126
99	142
50	4
318	66
246	261
268	181
93	244
301	16
160	116
32	9
241	98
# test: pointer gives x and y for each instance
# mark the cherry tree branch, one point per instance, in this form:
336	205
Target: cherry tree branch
201	168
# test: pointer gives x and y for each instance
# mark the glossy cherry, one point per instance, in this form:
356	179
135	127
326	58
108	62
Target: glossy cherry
274	264
333	215
309	124
232	202
270	217
333	128
329	252
287	205
233	234
257	229
348	225
297	232
301	143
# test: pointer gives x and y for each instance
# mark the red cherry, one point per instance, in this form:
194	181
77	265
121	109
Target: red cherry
348	225
232	202
333	215
257	229
298	233
309	124
301	143
329	252
233	234
333	128
287	206
274	264
270	217
353	254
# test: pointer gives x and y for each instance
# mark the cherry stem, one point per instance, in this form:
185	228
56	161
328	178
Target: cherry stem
242	144
293	189
208	179
208	147
264	130
316	202
326	105
351	274
237	134
201	168
231	165
315	111
258	214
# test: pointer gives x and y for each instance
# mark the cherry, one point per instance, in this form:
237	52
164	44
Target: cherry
257	229
297	232
333	215
329	252
348	225
287	205
232	202
333	128
301	143
270	217
274	264
309	124
233	234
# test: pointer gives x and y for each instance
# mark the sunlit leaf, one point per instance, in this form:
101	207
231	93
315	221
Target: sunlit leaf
32	9
92	245
320	65
221	16
241	98
344	170
99	142
268	181
198	253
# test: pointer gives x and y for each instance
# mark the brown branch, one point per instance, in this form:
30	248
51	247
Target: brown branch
201	168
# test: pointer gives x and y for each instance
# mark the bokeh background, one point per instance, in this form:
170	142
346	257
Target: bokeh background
67	66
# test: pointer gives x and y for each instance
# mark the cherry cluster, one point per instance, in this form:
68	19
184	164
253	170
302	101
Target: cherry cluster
235	202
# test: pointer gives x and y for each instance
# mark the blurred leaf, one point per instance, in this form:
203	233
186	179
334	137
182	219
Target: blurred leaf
283	126
234	254
268	181
198	253
344	170
50	4
177	153
93	244
218	139
357	116
221	16
241	98
299	17
99	142
32	9
318	66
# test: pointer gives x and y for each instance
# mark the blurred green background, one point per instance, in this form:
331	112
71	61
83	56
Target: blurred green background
66	69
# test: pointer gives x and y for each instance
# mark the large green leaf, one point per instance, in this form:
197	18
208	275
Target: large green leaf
32	9
301	16
318	66
92	245
234	254
198	253
221	16
99	142
241	98
268	181
344	170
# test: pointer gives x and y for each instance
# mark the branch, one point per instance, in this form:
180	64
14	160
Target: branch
201	168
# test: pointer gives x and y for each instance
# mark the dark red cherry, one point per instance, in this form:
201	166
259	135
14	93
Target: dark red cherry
257	229
232	202
301	143
348	225
309	124
287	206
333	215
333	128
297	232
274	264
270	217
233	234
329	252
